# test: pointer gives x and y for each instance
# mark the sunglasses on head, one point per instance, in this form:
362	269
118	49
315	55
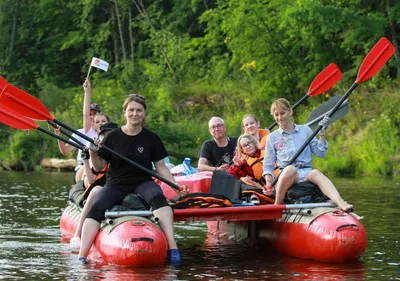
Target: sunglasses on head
137	96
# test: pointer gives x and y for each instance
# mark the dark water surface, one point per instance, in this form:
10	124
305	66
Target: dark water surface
30	246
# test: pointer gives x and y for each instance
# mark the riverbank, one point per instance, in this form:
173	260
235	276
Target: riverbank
46	164
363	143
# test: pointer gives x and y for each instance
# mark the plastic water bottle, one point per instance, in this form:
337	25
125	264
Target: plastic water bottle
186	165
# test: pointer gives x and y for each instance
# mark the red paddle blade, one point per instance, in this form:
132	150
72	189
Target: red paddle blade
15	120
24	103
3	83
325	80
375	60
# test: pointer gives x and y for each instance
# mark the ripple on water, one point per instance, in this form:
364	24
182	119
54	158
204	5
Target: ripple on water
30	246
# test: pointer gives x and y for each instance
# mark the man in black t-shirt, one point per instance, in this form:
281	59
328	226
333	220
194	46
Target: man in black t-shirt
218	152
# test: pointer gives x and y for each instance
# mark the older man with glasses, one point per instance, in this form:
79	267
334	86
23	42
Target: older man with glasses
217	153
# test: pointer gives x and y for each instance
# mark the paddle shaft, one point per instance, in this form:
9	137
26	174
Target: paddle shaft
68	134
319	128
157	176
321	83
28	124
43	114
60	138
293	108
32	108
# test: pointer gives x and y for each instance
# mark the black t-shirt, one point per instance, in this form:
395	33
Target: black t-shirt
144	148
216	155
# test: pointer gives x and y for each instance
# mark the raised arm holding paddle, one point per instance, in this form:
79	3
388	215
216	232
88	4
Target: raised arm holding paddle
282	144
285	150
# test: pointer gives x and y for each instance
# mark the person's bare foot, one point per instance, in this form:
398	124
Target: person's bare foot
346	207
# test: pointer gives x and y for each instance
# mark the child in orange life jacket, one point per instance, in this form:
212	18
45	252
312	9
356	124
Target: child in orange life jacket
93	182
248	160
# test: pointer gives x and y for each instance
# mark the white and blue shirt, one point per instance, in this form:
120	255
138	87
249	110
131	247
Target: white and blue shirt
281	146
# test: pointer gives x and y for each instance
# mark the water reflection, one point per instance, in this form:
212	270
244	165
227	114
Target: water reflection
128	274
30	246
312	270
222	259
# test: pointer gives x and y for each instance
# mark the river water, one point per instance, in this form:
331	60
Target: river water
31	248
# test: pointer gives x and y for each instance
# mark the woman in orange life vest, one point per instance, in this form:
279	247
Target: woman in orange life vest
93	183
251	126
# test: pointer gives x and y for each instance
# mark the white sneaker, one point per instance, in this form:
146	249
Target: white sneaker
75	243
254	199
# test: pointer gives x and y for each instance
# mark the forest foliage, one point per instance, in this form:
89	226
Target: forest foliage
196	59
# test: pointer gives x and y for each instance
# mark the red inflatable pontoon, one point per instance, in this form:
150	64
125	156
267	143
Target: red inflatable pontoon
307	232
126	241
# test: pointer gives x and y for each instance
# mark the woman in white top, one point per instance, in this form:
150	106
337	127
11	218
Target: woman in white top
283	144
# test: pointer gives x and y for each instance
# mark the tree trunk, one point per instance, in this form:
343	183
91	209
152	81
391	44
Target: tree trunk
143	12
114	38
121	35
396	47
59	164
132	39
205	4
13	30
393	32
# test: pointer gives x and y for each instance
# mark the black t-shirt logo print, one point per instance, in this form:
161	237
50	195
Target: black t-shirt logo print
140	149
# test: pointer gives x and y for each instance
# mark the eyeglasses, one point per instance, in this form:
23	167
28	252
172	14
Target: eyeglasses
143	98
247	145
218	126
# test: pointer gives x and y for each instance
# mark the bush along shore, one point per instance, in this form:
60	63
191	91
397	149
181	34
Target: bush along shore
365	142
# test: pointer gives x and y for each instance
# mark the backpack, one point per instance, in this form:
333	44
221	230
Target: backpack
225	184
304	192
200	200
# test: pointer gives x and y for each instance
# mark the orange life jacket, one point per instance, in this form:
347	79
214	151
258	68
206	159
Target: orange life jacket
263	137
99	177
256	164
100	174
